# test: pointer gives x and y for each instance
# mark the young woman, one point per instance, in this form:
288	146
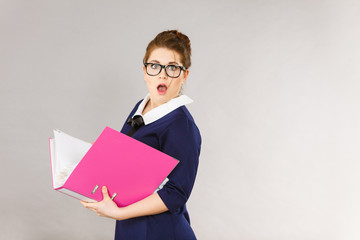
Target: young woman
161	121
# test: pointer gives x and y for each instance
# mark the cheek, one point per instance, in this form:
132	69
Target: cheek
149	83
176	85
147	79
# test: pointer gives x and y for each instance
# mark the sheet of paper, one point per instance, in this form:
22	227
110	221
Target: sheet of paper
68	151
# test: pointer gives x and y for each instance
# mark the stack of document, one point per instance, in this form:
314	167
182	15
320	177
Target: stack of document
130	169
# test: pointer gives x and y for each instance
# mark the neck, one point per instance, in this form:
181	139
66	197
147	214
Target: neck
153	104
149	106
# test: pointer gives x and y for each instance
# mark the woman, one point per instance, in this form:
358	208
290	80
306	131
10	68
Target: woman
162	121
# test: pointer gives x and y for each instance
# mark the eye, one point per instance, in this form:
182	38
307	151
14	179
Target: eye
172	67
154	66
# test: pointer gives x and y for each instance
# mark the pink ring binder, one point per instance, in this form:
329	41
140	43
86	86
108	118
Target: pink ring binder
130	169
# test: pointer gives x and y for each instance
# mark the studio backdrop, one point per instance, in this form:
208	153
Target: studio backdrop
276	97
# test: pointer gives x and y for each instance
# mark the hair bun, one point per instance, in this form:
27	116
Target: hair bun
184	39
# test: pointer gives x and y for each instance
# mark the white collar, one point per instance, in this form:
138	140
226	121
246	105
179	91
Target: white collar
162	110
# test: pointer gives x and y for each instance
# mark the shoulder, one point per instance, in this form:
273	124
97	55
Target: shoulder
178	117
181	124
181	138
181	113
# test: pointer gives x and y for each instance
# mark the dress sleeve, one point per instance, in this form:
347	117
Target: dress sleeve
182	141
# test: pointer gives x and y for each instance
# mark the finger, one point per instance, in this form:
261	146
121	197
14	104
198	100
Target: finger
95	209
105	193
84	203
88	205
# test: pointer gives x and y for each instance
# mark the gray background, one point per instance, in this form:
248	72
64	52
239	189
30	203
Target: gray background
276	90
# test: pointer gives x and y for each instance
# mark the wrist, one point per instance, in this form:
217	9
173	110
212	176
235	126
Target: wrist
121	213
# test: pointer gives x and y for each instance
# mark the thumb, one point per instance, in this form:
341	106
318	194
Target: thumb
105	193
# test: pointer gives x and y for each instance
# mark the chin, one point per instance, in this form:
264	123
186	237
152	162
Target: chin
162	98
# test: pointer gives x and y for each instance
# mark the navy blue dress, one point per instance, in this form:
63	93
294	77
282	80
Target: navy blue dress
177	135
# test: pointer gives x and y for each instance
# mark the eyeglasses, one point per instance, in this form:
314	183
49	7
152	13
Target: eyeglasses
172	71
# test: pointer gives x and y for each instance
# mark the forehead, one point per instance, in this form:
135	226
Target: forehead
164	56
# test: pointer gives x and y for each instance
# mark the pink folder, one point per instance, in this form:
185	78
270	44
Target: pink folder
130	169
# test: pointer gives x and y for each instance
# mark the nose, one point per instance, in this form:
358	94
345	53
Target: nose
162	73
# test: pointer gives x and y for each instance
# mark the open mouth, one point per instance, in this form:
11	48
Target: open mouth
161	88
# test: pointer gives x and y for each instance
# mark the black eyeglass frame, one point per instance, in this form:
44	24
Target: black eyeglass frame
182	68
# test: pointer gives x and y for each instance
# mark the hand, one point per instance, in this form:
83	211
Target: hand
105	208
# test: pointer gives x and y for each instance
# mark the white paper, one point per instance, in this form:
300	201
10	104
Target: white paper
66	153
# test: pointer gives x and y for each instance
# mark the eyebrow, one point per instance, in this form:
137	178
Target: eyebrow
156	61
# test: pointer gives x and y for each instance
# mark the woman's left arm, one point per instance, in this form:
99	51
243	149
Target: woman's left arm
107	208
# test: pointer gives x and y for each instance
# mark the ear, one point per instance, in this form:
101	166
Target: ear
186	74
144	70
